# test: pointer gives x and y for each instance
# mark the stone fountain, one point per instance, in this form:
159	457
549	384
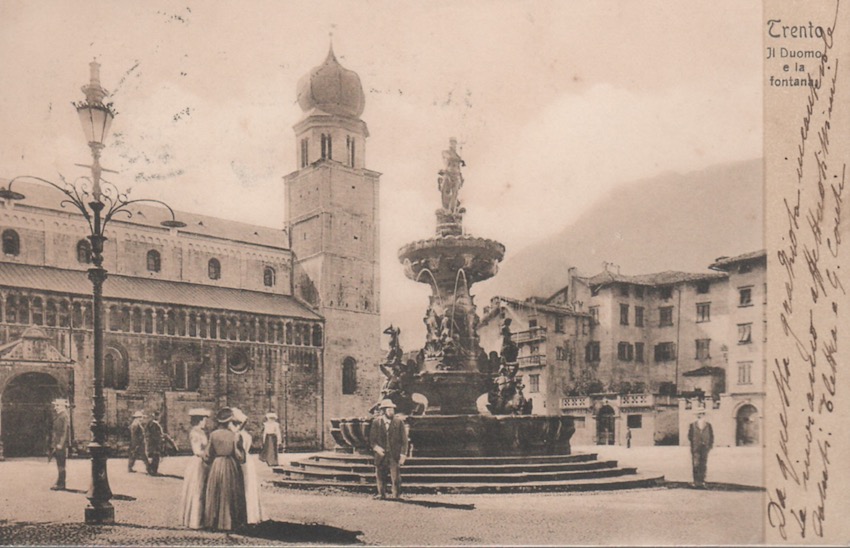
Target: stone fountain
443	387
470	427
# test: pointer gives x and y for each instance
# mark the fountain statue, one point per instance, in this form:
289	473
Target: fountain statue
458	401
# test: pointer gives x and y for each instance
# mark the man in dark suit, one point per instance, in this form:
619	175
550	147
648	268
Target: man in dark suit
60	440
153	443
701	436
137	441
388	439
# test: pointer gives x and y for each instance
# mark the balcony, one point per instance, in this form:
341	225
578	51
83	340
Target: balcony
636	400
575	402
533	334
533	360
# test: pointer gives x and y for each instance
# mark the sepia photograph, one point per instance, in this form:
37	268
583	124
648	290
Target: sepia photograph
405	274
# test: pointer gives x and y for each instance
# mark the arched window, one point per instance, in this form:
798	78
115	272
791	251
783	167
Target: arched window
37	311
12	309
24	310
64	314
115	371
11	243
349	375
137	320
327	147
50	313
77	317
154	261
268	276
84	252
214	269
349	146
193	377
179	374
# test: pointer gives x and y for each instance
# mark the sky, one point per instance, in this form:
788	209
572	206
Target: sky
553	103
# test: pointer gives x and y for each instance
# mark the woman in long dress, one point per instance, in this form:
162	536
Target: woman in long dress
195	476
224	502
271	439
249	471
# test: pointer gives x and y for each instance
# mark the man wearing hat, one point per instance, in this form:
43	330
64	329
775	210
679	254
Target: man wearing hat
153	443
137	441
701	436
60	440
388	439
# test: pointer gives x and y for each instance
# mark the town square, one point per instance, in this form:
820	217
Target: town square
334	275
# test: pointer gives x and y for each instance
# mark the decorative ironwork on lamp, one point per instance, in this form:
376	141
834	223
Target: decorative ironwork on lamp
98	201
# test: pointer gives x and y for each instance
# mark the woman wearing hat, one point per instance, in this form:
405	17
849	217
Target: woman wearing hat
249	471
271	439
195	476
224	497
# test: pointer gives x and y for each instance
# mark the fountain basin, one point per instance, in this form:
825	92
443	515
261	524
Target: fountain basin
444	256
468	435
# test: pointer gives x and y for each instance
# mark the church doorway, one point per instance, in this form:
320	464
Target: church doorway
605	426
26	414
747	426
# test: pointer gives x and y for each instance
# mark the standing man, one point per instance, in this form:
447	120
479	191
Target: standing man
153	444
701	436
388	438
60	440
137	442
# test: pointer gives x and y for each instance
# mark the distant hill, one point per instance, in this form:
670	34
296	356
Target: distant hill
669	222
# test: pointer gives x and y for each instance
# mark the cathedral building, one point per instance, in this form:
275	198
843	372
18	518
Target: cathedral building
212	314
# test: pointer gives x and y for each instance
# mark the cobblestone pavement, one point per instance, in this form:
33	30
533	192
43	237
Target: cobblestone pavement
146	509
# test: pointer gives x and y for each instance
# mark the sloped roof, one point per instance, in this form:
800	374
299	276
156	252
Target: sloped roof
145	290
723	263
659	278
44	197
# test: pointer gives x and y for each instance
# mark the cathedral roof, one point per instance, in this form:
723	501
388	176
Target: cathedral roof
144	290
331	89
44	197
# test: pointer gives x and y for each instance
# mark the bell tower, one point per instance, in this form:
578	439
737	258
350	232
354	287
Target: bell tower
332	212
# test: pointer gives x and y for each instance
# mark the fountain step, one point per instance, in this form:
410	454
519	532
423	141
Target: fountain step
459	477
459	461
632	481
416	468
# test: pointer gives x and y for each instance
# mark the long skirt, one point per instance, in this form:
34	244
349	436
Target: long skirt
224	504
268	454
192	501
252	491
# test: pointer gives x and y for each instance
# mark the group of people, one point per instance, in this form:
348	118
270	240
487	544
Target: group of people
148	442
220	487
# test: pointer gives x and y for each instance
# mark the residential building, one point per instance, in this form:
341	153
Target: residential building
654	346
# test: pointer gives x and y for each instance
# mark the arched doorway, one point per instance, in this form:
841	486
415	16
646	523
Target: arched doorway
27	414
605	426
747	426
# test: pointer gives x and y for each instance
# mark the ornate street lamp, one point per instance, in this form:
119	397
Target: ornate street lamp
99	201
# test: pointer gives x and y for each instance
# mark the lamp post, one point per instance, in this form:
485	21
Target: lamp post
98	201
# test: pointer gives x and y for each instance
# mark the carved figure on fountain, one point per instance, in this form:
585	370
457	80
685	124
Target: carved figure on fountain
451	179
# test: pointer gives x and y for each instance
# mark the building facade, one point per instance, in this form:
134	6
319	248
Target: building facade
647	351
216	313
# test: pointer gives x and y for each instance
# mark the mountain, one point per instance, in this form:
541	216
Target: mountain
669	222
